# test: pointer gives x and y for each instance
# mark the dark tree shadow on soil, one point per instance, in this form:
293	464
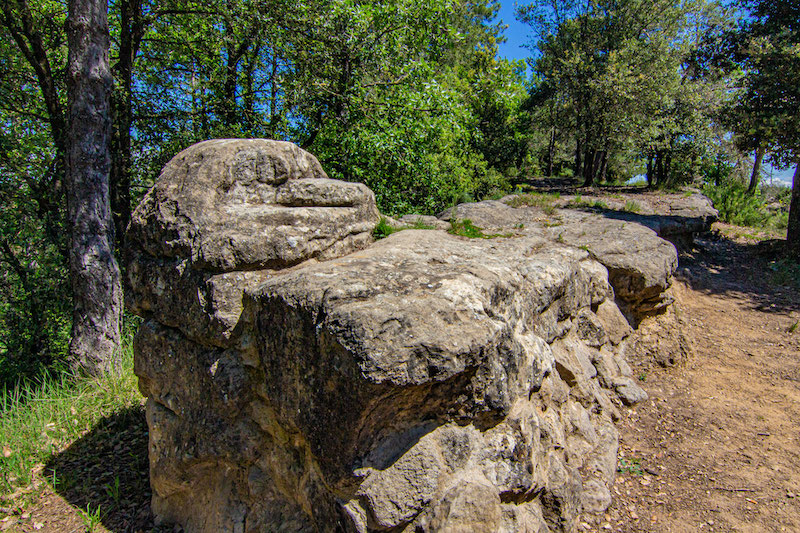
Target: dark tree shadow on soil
759	272
108	469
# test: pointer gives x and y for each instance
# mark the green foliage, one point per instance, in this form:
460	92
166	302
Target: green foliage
579	202
621	86
785	271
736	206
383	229
630	466
465	228
91	518
632	207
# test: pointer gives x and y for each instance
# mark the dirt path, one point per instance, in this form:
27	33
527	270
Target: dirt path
717	446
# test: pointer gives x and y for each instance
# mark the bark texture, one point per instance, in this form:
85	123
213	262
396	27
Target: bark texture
793	231
755	176
95	275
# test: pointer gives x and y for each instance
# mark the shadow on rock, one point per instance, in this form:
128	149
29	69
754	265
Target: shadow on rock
107	470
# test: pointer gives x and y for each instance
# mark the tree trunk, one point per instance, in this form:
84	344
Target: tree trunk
659	169
603	166
665	179
578	156
588	168
649	175
96	288
598	158
131	33
756	175
273	98
551	151
793	230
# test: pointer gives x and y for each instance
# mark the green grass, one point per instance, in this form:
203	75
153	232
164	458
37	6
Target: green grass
786	272
579	202
543	201
465	228
384	229
630	466
632	207
41	419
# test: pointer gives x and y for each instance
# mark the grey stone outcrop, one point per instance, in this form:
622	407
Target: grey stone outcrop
302	378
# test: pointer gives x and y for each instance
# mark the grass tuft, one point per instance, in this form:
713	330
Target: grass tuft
41	419
465	228
544	201
632	207
384	229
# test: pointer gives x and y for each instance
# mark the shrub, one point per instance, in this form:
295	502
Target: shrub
735	206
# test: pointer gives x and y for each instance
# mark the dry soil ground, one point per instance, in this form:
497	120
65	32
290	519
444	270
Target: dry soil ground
717	445
715	448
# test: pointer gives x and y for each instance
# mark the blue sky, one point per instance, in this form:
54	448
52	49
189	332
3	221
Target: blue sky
518	34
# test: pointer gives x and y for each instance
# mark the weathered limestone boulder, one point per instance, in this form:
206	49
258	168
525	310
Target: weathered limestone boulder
226	214
640	265
676	217
302	378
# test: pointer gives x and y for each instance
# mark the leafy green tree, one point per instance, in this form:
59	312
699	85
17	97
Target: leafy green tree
773	82
616	75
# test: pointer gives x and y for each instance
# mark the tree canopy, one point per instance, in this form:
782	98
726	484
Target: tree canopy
408	97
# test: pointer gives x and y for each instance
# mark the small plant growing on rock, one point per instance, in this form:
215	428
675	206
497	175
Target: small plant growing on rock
465	228
579	202
632	207
544	201
384	229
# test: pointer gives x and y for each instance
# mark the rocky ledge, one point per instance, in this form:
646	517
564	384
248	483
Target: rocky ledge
302	378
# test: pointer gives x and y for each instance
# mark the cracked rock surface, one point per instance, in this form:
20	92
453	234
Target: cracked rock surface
302	378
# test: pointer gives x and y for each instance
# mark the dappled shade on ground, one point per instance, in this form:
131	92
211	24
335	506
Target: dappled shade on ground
107	469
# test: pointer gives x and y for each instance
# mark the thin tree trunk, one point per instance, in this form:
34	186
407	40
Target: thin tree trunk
96	287
588	162
551	151
649	175
598	158
756	174
793	229
659	169
578	156
48	193
603	166
131	33
273	97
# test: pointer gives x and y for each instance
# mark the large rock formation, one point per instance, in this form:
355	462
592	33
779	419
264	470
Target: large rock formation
301	378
